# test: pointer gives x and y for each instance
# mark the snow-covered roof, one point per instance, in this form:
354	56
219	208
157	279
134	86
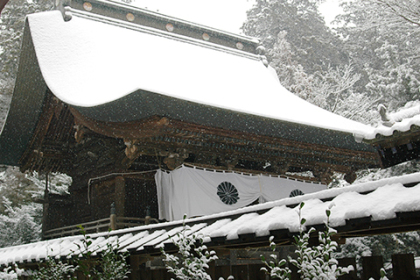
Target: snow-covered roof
400	121
91	60
387	204
103	60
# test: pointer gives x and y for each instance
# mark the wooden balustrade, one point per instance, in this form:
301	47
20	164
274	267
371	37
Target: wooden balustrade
101	225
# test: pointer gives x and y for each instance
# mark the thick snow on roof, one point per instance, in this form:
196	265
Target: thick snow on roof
88	62
402	121
380	200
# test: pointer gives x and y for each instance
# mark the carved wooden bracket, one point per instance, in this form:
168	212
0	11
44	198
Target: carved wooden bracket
230	163
58	107
281	168
80	132
174	159
132	150
324	174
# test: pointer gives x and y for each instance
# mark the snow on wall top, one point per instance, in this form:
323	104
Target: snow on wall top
88	62
380	200
401	121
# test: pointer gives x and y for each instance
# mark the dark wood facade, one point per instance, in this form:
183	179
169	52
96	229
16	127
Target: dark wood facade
110	162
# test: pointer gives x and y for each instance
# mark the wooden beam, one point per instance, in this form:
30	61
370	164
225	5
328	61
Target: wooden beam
146	128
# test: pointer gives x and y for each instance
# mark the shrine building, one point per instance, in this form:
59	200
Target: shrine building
110	94
155	117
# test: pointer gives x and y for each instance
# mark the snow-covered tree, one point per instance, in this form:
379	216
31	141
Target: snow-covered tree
381	37
20	224
12	22
308	57
20	217
312	44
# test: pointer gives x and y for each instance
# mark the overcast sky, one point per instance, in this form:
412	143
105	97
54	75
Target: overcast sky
228	15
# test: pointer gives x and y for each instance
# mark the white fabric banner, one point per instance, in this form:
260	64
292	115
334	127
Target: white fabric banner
195	192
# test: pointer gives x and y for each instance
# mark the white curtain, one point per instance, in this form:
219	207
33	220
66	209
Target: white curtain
195	192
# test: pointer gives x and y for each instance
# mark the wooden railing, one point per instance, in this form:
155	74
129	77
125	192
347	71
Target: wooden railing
101	225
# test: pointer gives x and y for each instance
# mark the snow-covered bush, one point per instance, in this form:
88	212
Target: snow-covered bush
316	262
192	259
276	268
11	273
110	265
53	270
113	264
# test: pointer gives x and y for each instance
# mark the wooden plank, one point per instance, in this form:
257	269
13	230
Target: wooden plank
403	267
371	267
345	262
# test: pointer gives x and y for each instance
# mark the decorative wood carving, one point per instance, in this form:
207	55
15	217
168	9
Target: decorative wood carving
324	174
174	159
230	163
281	168
132	150
80	132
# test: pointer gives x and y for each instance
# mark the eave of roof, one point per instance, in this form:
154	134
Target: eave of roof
397	137
170	66
384	206
26	106
399	124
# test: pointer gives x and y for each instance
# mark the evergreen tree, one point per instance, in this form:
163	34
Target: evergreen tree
12	22
308	57
382	39
20	225
20	217
311	42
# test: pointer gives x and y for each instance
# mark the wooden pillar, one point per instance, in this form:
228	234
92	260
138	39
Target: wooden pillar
222	271
255	273
345	262
120	196
45	212
403	266
240	272
138	267
113	218
371	267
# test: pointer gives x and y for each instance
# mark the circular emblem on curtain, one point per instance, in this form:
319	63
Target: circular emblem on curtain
296	192
227	193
